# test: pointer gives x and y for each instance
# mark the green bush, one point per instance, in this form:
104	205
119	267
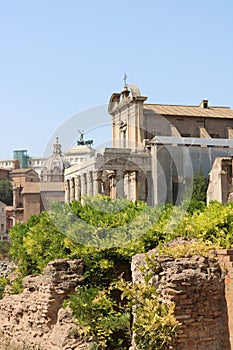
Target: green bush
154	324
103	321
105	234
4	249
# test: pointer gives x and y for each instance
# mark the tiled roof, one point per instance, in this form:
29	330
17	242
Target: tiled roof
22	171
190	111
31	187
37	187
52	186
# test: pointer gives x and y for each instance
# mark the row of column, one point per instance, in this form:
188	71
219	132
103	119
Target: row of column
85	184
117	184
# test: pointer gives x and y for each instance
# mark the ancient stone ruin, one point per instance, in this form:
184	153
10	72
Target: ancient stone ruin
202	289
35	317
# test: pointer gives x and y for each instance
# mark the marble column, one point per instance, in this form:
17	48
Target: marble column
72	189
141	183
77	187
120	184
112	186
127	185
89	183
67	191
97	182
133	186
151	191
83	187
106	187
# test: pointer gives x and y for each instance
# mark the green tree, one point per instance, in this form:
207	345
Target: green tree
6	192
200	184
36	242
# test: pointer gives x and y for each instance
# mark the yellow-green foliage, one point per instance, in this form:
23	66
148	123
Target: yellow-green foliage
102	320
188	249
155	325
214	223
106	234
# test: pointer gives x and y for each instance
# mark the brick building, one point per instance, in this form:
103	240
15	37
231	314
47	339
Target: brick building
33	193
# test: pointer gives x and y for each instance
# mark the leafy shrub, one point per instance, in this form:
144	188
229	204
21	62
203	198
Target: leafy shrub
35	243
102	320
213	224
4	249
155	325
117	230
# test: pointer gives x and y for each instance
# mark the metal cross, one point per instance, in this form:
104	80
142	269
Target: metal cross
125	78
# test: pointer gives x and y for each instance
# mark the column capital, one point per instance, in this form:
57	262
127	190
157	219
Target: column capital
84	177
97	181
97	175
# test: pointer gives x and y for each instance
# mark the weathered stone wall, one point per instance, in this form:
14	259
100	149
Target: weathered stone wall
35	317
202	289
197	287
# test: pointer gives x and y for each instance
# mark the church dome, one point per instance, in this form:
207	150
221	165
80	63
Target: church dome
54	166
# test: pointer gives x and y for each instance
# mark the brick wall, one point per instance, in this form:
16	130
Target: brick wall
225	258
201	291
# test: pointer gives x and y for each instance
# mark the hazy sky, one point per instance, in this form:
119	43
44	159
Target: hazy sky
59	57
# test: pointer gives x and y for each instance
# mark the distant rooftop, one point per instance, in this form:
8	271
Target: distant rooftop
191	111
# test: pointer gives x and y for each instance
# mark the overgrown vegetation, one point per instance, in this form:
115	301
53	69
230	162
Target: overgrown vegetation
155	325
4	249
106	234
104	321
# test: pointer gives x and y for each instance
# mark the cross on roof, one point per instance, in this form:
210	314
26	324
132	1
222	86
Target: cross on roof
125	78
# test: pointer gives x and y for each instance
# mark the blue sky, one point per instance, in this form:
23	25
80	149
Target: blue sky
60	57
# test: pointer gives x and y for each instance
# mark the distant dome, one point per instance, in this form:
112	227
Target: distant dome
134	90
54	166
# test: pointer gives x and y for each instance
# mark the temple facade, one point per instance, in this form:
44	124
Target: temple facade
156	150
